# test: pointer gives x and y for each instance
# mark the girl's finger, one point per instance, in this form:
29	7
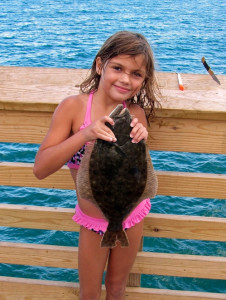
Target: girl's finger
107	134
107	138
134	122
107	119
140	134
135	129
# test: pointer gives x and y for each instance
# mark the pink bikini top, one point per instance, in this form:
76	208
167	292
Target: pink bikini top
75	161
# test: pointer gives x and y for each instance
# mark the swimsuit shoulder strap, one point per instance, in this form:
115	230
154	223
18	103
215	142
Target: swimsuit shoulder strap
87	120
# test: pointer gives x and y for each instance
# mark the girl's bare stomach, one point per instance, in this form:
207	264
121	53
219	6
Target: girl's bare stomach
86	206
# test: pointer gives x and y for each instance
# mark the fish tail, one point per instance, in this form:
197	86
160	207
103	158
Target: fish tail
122	238
110	237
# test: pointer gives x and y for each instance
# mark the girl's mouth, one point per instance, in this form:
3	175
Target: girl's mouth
122	89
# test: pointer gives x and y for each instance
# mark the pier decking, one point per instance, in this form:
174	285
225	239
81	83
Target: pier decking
193	120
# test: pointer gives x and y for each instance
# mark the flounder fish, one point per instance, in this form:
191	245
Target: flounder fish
117	176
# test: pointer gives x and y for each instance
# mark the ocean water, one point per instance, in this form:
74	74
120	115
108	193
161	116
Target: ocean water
67	34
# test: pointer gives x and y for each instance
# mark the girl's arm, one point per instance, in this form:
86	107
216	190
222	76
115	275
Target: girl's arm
59	145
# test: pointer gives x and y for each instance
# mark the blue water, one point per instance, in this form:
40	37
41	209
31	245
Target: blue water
67	34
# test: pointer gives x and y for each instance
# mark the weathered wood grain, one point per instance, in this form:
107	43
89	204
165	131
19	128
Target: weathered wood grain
156	225
146	263
24	289
189	184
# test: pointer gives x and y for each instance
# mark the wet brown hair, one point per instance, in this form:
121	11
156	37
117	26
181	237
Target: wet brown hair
128	43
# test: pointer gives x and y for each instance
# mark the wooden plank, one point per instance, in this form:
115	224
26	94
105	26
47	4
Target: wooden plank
39	255
188	135
37	217
21	174
169	134
27	85
185	227
201	94
36	88
201	185
167	264
155	225
164	294
26	76
23	127
23	289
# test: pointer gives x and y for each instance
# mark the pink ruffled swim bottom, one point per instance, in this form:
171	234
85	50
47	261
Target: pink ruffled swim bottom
100	225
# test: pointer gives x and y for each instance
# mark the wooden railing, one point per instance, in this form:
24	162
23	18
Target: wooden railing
190	121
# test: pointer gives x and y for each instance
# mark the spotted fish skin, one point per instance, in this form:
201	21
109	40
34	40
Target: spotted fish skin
119	176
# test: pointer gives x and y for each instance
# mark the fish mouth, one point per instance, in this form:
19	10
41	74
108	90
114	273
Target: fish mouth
117	111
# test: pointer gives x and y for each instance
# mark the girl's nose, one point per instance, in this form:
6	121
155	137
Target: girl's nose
125	77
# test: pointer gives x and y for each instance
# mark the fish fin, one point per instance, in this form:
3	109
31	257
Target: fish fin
110	237
122	238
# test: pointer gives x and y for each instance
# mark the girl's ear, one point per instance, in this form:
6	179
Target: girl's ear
98	65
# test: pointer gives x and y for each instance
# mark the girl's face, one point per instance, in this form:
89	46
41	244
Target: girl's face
122	76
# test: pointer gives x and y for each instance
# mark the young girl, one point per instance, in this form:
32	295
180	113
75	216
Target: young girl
122	72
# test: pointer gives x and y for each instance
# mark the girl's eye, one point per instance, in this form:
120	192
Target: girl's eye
117	68
137	74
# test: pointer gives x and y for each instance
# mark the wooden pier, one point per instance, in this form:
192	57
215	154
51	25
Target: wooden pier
193	120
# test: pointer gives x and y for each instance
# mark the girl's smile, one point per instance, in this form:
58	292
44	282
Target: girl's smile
122	89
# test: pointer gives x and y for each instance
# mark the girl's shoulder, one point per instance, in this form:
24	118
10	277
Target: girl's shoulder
74	101
134	108
72	107
137	112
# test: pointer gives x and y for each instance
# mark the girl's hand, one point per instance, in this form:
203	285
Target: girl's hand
139	131
99	130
